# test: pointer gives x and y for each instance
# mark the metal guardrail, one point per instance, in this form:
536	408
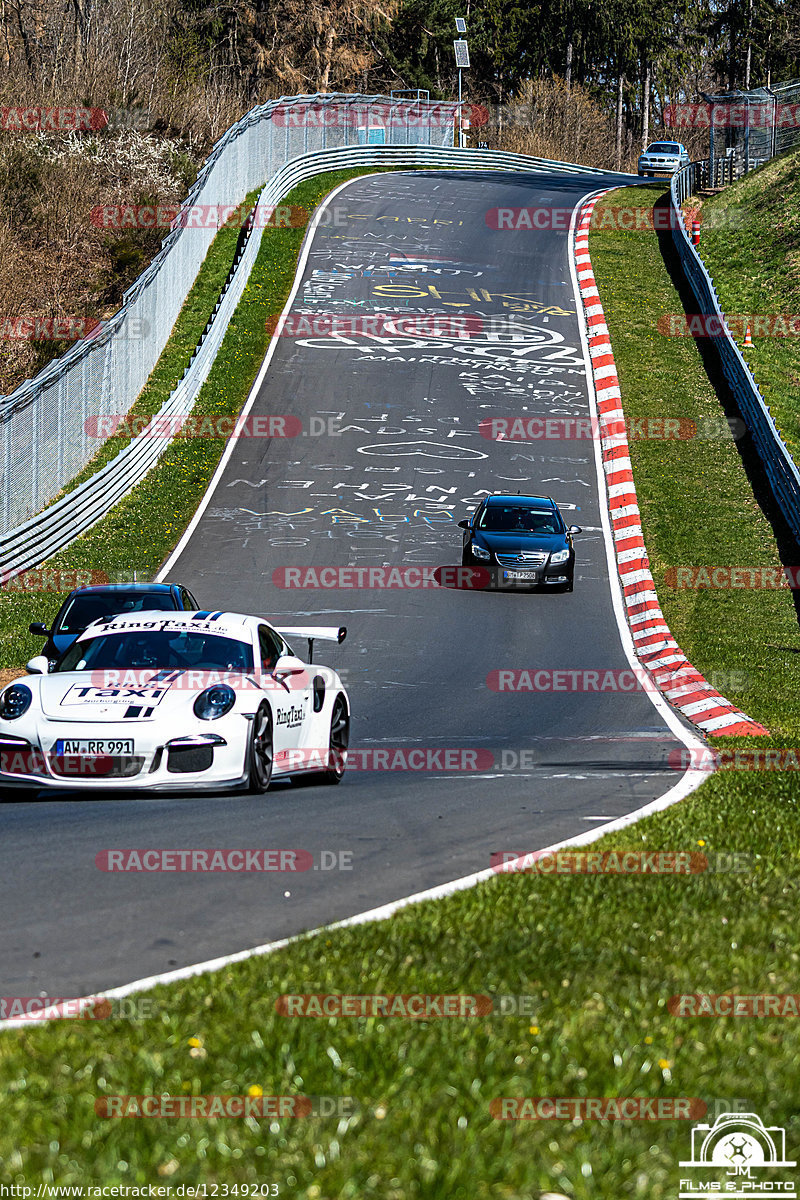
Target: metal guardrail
51	530
780	467
710	173
43	436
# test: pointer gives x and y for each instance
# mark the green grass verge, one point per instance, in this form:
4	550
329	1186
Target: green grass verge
140	532
696	502
599	958
751	247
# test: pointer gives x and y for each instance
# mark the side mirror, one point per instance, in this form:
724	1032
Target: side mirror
39	629
464	525
38	665
574	529
286	668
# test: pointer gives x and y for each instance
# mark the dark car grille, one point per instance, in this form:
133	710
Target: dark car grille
525	558
189	758
105	766
18	757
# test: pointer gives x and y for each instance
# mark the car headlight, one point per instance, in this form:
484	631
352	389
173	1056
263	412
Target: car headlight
479	552
559	556
214	702
15	701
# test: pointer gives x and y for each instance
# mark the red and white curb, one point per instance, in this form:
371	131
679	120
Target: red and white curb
656	648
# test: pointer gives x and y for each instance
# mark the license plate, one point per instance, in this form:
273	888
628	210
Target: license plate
520	575
94	747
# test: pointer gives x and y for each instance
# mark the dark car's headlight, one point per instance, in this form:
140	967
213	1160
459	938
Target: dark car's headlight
15	701
214	702
559	556
479	552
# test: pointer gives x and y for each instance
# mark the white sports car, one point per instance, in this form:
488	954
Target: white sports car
177	701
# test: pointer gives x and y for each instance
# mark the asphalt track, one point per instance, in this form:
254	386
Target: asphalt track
389	460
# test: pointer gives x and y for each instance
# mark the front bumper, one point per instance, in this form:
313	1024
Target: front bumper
651	168
201	760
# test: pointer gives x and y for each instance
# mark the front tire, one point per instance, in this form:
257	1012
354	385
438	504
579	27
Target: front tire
260	756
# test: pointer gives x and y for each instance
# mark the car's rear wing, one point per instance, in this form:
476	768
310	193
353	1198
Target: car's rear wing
325	633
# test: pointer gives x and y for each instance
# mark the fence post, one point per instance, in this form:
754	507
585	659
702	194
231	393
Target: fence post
747	135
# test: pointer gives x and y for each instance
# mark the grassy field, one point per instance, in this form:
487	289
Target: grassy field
143	528
752	251
597	958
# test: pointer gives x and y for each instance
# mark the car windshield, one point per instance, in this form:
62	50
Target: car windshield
82	610
162	649
518	518
663	148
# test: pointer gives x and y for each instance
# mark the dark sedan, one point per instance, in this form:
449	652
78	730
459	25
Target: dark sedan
523	540
85	605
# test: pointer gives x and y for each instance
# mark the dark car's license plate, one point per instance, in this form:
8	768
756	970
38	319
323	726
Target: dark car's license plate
530	576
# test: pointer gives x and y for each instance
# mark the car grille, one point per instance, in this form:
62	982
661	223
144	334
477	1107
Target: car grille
74	766
18	757
526	558
189	758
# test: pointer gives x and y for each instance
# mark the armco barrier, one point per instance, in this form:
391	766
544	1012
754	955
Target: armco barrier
42	423
780	468
34	541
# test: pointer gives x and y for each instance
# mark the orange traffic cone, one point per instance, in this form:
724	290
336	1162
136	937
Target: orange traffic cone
748	340
695	233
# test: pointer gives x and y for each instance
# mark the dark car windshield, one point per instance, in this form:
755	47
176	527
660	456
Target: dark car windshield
663	148
518	518
82	610
159	648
